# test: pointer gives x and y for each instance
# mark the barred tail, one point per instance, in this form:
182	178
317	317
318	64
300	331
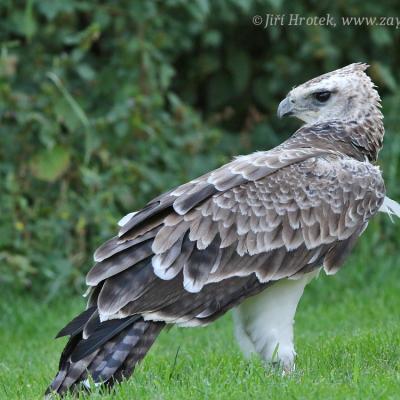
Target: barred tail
108	355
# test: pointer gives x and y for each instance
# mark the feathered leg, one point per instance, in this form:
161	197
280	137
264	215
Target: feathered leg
264	323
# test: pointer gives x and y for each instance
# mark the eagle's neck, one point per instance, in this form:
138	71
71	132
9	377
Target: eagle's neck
366	132
360	137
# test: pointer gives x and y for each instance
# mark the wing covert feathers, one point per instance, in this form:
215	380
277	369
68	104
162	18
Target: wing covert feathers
270	225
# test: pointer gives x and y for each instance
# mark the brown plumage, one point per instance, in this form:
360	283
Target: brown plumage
197	251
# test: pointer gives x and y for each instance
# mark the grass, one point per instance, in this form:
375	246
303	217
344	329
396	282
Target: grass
347	339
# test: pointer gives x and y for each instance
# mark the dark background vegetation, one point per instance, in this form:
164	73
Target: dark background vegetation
104	104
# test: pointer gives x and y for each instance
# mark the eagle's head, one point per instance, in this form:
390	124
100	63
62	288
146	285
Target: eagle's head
346	94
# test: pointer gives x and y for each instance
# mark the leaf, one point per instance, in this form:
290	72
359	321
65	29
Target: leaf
52	8
166	74
86	72
49	165
30	24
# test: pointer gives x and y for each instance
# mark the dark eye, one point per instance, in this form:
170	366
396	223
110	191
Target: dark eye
322	97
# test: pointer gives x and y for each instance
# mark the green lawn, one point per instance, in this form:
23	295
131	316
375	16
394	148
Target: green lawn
347	339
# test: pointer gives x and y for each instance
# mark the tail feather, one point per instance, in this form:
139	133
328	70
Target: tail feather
119	352
106	330
390	207
113	361
138	352
77	324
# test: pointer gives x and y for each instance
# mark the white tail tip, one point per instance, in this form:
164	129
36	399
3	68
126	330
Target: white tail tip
390	207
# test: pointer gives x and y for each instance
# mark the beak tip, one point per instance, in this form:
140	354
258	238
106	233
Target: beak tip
285	108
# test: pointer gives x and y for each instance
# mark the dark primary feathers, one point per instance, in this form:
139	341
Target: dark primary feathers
195	252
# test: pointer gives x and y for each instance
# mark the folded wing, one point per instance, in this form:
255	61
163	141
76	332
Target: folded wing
193	253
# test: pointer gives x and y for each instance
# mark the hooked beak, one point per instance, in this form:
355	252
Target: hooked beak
285	108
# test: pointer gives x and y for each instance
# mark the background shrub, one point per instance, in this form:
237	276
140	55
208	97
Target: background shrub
106	104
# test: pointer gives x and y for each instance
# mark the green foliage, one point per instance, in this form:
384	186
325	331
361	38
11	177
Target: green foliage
106	104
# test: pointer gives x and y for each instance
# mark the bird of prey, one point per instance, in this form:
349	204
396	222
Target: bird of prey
247	236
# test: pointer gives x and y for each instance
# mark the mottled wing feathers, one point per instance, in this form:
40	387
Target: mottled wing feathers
118	262
284	222
277	222
241	170
165	210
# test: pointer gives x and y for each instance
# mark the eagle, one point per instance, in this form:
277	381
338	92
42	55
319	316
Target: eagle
248	236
